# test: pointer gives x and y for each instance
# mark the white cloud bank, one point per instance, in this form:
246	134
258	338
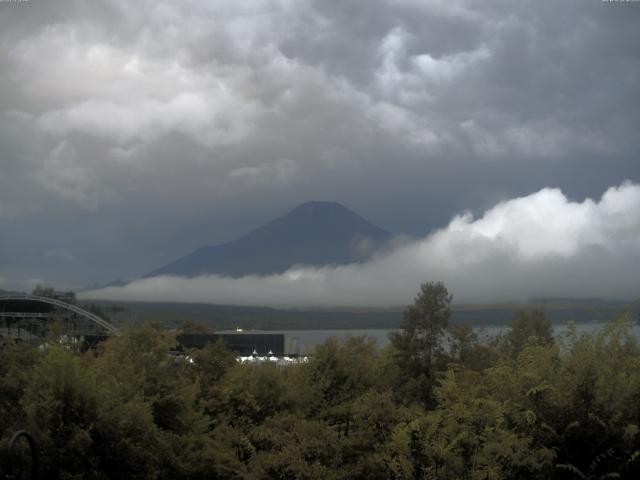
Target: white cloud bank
540	245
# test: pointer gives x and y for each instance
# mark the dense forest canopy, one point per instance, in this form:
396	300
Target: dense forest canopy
521	405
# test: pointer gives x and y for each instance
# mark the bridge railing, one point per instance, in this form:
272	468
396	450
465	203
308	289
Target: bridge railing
67	306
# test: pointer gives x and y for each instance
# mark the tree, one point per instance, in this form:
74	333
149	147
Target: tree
42	291
16	363
189	326
467	349
338	373
529	327
50	292
419	341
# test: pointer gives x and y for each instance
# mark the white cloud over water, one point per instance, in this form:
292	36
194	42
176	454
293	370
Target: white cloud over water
543	244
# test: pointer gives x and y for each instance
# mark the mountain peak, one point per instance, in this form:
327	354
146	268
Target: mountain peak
315	233
315	206
321	204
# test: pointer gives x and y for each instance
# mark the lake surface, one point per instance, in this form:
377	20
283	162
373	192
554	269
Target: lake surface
308	339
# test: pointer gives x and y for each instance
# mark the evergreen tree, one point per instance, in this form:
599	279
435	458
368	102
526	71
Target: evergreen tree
529	327
419	342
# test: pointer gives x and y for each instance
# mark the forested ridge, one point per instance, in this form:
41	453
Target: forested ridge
521	405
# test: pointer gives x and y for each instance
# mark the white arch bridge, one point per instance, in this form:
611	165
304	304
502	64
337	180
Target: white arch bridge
32	316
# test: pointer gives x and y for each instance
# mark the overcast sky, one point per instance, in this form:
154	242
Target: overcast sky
132	133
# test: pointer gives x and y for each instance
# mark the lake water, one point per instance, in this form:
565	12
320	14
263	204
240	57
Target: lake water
308	339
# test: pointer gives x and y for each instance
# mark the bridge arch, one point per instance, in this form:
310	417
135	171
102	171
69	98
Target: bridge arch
110	329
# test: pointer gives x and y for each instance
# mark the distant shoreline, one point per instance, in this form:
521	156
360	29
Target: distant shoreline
226	317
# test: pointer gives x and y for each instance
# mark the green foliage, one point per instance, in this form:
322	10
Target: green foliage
251	395
523	406
529	327
418	343
42	291
292	447
468	351
189	326
211	364
16	362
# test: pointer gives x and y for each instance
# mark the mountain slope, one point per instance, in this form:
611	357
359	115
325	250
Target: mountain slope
315	233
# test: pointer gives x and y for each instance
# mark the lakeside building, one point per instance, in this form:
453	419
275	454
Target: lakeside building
254	348
245	344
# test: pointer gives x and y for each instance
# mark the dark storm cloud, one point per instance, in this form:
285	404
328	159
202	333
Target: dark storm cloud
133	132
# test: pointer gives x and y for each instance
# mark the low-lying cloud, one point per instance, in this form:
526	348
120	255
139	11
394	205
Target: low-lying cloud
540	245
